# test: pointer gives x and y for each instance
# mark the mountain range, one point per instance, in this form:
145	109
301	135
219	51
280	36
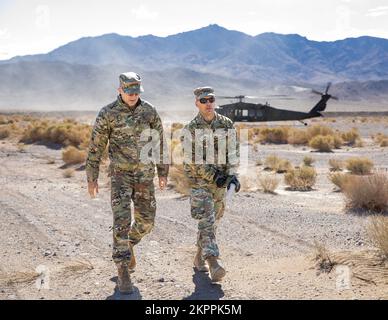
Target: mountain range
83	73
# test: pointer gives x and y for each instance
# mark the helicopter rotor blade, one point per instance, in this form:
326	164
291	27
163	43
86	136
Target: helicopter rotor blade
251	97
317	92
227	97
328	87
334	98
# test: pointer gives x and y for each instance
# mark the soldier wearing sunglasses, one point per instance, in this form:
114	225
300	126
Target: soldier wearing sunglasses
209	180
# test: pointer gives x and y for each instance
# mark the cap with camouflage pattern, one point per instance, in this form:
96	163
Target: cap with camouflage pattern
203	92
130	82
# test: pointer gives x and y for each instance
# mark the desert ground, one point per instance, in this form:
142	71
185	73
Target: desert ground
56	242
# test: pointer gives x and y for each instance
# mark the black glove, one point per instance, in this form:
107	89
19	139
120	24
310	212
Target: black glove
234	180
220	179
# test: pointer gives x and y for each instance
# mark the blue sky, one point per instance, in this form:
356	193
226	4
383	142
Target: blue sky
38	26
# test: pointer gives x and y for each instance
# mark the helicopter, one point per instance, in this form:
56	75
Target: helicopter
251	112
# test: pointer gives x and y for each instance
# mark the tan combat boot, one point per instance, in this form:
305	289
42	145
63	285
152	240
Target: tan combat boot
132	262
217	272
199	262
124	283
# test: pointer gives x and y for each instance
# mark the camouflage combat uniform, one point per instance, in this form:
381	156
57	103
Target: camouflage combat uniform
207	200
131	180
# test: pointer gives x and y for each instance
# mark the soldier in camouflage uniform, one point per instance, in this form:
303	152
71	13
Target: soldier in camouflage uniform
121	123
211	179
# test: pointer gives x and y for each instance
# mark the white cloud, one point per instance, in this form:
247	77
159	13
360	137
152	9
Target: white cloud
143	13
379	11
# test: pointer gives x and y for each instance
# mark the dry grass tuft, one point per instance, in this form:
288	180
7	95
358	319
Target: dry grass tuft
360	166
277	135
381	139
301	179
308	161
351	137
3	120
72	155
377	230
4	133
322	258
336	165
68	173
269	183
368	192
65	133
274	163
384	143
341	179
319	130
322	143
298	137
18	277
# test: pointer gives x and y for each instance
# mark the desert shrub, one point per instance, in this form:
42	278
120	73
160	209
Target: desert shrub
336	165
301	179
368	192
308	161
381	139
337	141
272	162
65	133
319	130
179	180
360	166
340	179
284	166
277	164
72	155
350	137
4	133
68	173
3	120
298	137
377	229
359	143
277	135
384	143
322	143
269	183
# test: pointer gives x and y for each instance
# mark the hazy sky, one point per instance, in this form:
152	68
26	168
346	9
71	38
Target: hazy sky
39	26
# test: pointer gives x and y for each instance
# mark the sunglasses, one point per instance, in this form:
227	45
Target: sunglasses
204	100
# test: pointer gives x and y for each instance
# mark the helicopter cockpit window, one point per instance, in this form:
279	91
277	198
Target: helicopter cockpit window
245	113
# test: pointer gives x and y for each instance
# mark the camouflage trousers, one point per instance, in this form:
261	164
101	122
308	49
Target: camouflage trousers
207	206
126	188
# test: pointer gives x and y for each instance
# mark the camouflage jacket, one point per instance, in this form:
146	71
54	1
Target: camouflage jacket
122	127
218	127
